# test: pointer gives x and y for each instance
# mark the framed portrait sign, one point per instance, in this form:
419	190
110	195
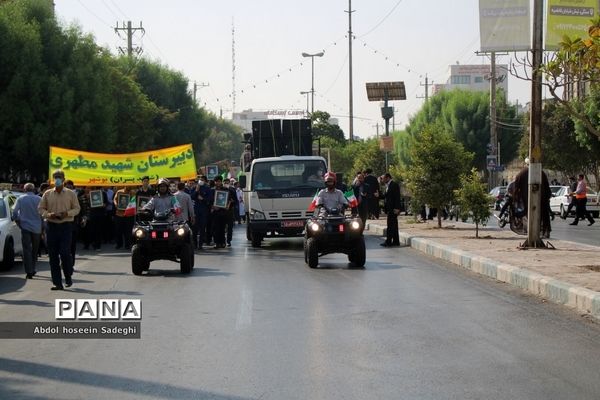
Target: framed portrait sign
221	198
212	171
122	201
96	199
142	201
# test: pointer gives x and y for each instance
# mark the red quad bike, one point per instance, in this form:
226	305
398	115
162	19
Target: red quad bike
157	238
333	232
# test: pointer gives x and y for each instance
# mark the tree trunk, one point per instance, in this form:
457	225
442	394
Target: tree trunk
476	230
439	217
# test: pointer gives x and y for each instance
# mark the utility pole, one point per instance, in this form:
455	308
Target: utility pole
201	85
534	210
493	131
350	94
427	84
130	32
232	66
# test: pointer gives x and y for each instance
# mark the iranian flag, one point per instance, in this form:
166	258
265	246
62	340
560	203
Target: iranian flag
130	210
175	205
313	203
352	201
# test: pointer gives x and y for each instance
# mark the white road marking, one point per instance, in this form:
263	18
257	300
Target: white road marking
244	316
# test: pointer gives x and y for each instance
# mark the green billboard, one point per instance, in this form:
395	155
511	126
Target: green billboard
570	18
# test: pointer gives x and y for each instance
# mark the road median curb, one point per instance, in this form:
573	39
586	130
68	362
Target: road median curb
585	301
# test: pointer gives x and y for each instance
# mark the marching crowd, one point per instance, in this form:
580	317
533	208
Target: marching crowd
54	219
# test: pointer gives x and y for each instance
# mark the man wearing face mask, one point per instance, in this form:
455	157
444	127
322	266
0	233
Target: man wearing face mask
59	206
330	197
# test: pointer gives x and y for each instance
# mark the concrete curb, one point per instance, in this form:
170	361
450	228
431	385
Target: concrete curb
585	301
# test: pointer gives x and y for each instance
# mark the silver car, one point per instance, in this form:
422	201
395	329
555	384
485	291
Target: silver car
10	233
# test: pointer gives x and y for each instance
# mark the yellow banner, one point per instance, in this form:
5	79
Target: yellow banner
99	169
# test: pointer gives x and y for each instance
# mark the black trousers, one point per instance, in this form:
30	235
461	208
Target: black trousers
582	212
219	222
392	236
59	251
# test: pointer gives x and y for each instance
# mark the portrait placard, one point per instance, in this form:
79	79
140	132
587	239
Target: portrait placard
122	201
142	201
221	198
96	199
212	171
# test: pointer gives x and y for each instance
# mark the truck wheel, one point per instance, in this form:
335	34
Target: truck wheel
248	233
8	259
312	253
256	239
139	263
359	254
186	258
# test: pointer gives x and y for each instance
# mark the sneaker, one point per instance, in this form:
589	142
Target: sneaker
591	223
57	288
229	243
68	281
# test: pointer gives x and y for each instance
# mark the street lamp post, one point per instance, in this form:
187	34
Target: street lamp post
306	93
312	87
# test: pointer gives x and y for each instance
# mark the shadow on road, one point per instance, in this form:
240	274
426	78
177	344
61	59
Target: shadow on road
9	388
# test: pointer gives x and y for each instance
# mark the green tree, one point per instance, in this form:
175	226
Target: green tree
370	156
465	115
473	199
565	148
438	161
323	128
576	63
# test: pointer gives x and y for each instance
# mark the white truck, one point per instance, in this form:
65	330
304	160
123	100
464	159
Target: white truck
278	192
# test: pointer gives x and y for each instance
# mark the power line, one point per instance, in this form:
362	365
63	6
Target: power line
383	20
117	7
94	14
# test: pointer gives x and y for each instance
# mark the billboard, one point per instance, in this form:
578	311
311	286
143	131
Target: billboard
504	25
568	17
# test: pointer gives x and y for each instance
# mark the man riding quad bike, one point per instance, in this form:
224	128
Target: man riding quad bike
331	231
159	235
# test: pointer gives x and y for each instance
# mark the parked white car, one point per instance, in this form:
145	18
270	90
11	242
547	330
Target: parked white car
561	200
10	233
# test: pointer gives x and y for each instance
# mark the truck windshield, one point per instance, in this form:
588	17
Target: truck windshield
277	175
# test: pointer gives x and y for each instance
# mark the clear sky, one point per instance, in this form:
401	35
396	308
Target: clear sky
395	41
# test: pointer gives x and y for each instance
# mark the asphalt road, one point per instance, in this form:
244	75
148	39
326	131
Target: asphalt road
259	324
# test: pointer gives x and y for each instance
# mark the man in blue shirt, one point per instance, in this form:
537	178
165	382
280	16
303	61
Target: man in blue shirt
29	220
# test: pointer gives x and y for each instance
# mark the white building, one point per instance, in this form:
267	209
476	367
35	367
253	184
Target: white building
474	77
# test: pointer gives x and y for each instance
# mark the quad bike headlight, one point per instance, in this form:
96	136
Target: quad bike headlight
140	233
355	225
181	231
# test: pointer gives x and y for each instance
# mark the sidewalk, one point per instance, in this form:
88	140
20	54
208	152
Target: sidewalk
569	275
